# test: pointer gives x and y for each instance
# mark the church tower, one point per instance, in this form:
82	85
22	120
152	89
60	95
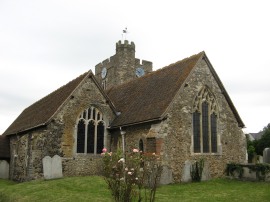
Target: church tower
121	67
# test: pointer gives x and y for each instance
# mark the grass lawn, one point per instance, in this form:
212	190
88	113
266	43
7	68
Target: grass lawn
94	188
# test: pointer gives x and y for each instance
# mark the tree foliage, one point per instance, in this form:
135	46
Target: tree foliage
264	142
257	146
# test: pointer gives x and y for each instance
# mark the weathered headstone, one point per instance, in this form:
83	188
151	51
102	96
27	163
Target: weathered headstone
266	155
52	167
206	172
47	167
259	159
57	167
186	177
186	172
4	169
166	175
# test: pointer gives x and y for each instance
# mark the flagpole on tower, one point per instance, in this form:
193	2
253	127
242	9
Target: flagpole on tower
124	34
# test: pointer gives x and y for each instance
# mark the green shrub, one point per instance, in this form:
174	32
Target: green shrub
233	168
196	171
261	170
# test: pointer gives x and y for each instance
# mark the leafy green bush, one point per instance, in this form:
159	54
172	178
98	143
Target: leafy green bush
261	170
196	171
233	168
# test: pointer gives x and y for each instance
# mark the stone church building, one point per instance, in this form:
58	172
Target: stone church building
181	112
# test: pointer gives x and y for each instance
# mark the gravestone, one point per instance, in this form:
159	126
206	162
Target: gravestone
4	169
206	172
186	172
52	167
47	167
266	155
186	177
166	175
57	167
260	159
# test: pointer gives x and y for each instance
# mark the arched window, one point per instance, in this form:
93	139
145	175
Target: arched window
90	132
205	122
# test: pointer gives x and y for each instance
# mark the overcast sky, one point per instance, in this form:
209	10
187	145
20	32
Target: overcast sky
46	43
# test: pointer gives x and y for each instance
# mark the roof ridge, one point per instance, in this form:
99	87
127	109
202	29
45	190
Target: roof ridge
157	89
154	72
180	61
61	94
58	89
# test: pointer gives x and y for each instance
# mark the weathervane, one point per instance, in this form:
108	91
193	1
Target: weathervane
124	34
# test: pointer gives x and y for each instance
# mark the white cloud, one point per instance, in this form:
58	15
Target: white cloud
45	44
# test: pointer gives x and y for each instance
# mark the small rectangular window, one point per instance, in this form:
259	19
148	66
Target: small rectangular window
151	145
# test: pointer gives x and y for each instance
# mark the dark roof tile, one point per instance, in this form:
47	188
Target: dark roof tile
41	111
148	97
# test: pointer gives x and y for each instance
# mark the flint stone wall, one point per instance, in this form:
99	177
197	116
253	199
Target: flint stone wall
82	166
58	138
174	134
178	142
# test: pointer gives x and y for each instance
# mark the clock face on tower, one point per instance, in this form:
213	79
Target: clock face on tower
103	72
139	72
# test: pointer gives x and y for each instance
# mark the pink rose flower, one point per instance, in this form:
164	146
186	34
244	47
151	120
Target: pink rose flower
135	150
104	150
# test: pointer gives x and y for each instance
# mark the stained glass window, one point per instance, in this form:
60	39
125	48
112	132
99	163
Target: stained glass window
90	132
196	132
205	123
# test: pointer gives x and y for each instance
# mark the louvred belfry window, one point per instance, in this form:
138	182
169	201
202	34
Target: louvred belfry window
205	122
90	132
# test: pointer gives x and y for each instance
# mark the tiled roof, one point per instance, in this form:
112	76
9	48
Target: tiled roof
140	100
40	112
147	98
4	147
257	136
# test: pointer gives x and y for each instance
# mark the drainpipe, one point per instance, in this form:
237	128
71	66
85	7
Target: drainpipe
123	140
123	149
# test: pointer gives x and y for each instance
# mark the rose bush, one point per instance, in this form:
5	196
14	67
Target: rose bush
133	176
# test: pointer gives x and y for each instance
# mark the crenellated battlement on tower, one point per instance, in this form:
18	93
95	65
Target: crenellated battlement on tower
147	65
122	66
125	45
139	62
106	62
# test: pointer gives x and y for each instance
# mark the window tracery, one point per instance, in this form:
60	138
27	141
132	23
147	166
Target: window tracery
205	122
90	132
